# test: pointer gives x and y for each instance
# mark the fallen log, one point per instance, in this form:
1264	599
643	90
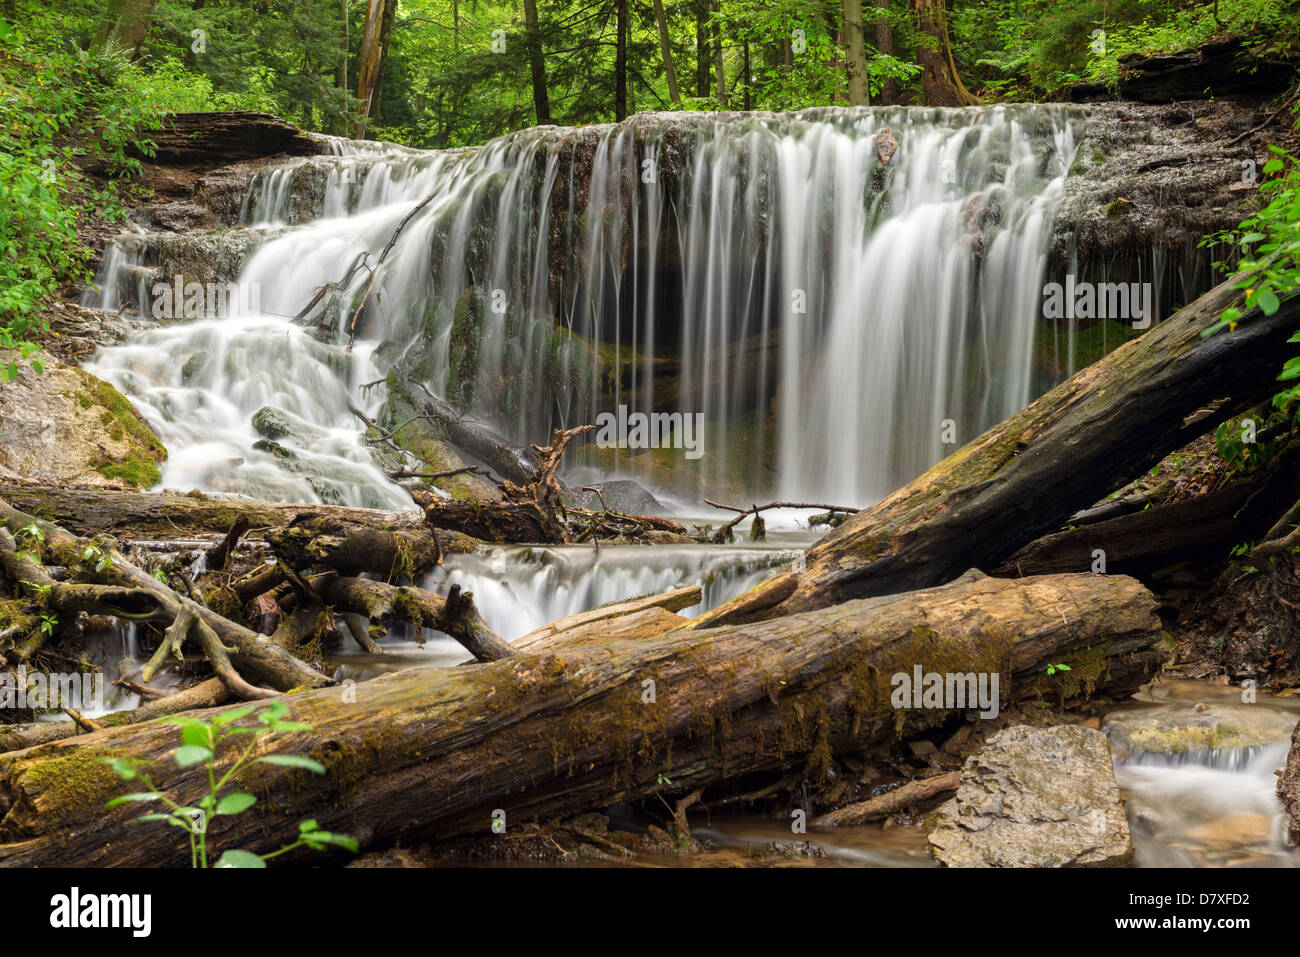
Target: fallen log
505	458
433	753
1024	477
100	511
454	615
589	626
1192	537
882	806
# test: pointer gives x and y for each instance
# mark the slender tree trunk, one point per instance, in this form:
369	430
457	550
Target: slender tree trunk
620	61
719	67
541	102
939	78
368	68
702	56
748	78
670	73
385	29
885	44
855	59
341	69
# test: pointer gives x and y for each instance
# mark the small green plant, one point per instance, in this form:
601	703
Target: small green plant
200	742
1053	669
103	561
32	533
47	624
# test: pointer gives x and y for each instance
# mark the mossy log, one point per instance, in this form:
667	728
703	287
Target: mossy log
140	515
508	460
1192	538
431	753
454	615
1026	476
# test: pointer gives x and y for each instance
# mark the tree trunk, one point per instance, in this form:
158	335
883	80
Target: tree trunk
146	515
702	55
385	30
1026	476
665	47
368	64
939	78
341	68
719	65
855	54
537	63
620	60
885	44
433	753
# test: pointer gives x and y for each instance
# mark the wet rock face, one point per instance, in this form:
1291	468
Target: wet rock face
1147	184
1175	730
1036	797
66	426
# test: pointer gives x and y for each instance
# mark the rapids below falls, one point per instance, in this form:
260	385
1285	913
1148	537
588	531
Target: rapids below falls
822	312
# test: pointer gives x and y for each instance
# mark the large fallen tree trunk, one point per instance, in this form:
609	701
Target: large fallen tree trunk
432	753
1025	477
1194	536
135	515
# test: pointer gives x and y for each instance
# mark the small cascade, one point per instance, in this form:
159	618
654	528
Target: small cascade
520	588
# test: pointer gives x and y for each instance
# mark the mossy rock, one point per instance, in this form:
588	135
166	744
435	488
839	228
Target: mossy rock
64	425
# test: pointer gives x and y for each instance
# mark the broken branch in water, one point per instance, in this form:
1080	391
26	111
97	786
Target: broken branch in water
724	534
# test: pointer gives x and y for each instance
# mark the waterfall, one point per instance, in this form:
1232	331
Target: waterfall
833	320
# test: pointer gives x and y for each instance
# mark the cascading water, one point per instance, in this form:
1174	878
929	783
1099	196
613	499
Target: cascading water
822	311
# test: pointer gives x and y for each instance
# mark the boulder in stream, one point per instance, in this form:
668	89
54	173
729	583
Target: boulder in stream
1036	797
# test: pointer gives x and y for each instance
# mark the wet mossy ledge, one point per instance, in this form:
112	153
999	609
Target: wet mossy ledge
64	425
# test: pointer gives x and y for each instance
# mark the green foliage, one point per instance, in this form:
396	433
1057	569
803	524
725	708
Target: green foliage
1265	252
56	106
200	744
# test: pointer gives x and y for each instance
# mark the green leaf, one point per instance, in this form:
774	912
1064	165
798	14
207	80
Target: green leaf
1266	299
240	859
226	717
316	839
235	803
293	761
275	712
198	735
128	798
191	754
